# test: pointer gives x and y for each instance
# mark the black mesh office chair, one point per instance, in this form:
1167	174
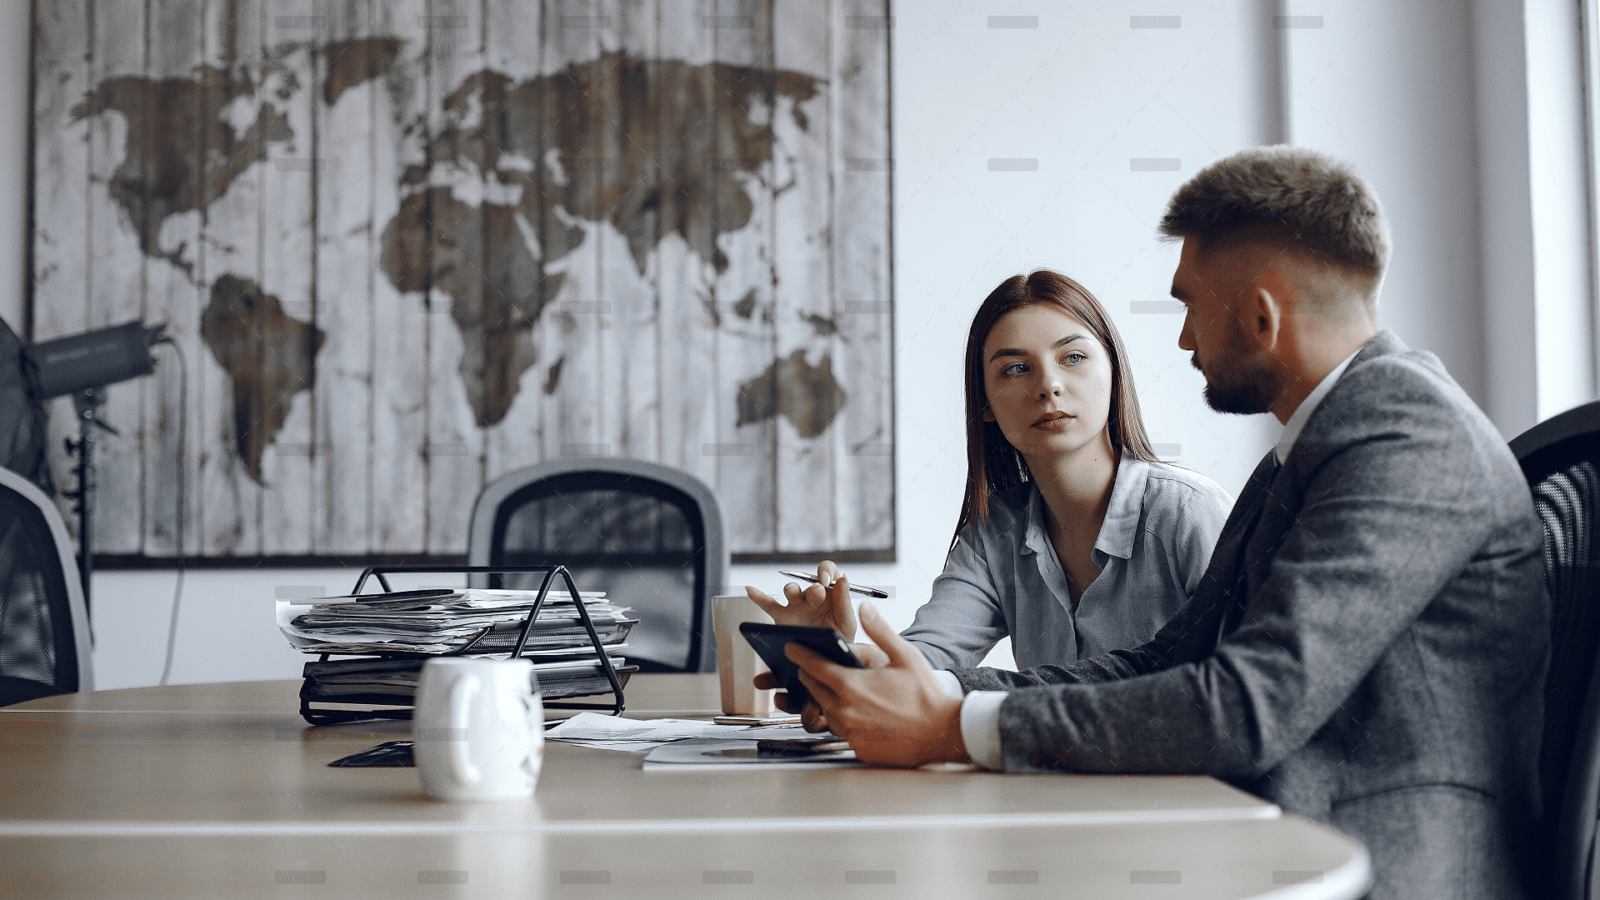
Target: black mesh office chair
1561	458
648	535
44	627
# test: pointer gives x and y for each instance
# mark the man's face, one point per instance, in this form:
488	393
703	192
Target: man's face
1239	378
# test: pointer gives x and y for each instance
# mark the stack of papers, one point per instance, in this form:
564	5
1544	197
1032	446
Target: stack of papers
394	680
446	621
405	629
681	744
613	733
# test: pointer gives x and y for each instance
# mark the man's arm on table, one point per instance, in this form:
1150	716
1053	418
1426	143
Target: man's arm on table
984	690
1387	521
977	719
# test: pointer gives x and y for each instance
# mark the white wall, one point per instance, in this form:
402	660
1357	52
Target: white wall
1390	87
1537	258
1558	163
1505	192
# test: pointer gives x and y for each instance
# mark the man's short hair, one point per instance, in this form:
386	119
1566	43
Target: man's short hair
1290	194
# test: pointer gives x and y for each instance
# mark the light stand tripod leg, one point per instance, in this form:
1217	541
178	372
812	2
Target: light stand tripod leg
87	404
85	504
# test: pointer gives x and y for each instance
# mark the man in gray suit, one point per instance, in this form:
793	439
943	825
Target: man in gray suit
1368	647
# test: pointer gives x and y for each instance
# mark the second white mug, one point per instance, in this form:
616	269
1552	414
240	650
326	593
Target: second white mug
737	662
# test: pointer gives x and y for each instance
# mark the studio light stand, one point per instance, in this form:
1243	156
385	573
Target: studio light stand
83	365
87	404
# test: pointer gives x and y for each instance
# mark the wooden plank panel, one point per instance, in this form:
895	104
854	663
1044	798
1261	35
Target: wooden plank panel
292	495
633	412
353	61
535	419
543	191
745	178
226	494
576	111
168	220
805	377
397	435
863	437
613	285
513	49
115	269
686	376
461	224
61	168
61	197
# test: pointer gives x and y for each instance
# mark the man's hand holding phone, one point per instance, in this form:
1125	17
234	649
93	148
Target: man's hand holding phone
810	714
892	710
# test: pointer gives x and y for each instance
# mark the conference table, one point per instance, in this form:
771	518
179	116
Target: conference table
222	790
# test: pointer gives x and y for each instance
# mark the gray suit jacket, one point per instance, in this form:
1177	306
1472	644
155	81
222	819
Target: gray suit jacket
1385	639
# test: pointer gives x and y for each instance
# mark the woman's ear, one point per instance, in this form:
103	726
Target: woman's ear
988	414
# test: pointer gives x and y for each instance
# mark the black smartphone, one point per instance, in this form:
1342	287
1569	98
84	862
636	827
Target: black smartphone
769	641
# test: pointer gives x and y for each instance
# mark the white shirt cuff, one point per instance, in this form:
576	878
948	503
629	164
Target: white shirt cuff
980	727
948	681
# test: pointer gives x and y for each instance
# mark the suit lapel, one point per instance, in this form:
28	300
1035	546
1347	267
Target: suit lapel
1223	592
1241	527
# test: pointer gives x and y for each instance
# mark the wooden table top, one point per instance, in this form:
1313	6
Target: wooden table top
201	790
237	757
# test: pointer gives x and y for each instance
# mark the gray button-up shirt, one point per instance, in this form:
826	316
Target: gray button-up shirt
1004	578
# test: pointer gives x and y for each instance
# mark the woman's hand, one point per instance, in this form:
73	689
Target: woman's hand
815	606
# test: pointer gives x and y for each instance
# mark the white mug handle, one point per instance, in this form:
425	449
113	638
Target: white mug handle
460	752
533	714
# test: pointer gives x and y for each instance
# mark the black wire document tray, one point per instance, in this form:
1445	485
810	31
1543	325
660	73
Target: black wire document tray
574	641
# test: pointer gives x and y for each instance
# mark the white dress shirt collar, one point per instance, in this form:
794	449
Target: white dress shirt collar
1302	413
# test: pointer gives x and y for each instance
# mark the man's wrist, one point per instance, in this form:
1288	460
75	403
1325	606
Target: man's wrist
947	745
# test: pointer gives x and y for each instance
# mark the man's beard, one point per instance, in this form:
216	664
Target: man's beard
1236	382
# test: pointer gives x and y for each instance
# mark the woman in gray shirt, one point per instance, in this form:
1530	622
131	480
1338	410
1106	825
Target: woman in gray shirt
1073	538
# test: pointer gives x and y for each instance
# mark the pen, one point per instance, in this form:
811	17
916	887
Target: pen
870	592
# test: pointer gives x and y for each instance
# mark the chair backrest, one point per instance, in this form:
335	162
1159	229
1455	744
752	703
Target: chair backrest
44	626
1561	459
648	535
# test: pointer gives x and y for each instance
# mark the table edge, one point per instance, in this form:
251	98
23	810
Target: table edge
84	828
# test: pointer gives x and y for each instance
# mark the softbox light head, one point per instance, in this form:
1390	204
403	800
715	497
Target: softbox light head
95	359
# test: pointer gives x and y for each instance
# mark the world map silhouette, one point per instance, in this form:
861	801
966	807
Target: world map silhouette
654	147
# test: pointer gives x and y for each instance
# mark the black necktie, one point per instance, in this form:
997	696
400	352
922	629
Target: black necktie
1254	503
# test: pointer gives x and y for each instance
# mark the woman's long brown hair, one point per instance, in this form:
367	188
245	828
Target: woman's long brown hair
992	463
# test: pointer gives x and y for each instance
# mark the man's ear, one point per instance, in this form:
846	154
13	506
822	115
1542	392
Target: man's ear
1262	313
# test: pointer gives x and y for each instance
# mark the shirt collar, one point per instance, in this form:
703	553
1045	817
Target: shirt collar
1121	524
1302	413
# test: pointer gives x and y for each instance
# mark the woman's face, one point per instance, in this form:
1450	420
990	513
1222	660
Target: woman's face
1047	380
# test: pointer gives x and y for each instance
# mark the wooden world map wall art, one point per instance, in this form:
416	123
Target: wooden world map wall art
410	245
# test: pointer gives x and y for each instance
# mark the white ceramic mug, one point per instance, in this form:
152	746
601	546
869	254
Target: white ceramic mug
478	729
737	662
